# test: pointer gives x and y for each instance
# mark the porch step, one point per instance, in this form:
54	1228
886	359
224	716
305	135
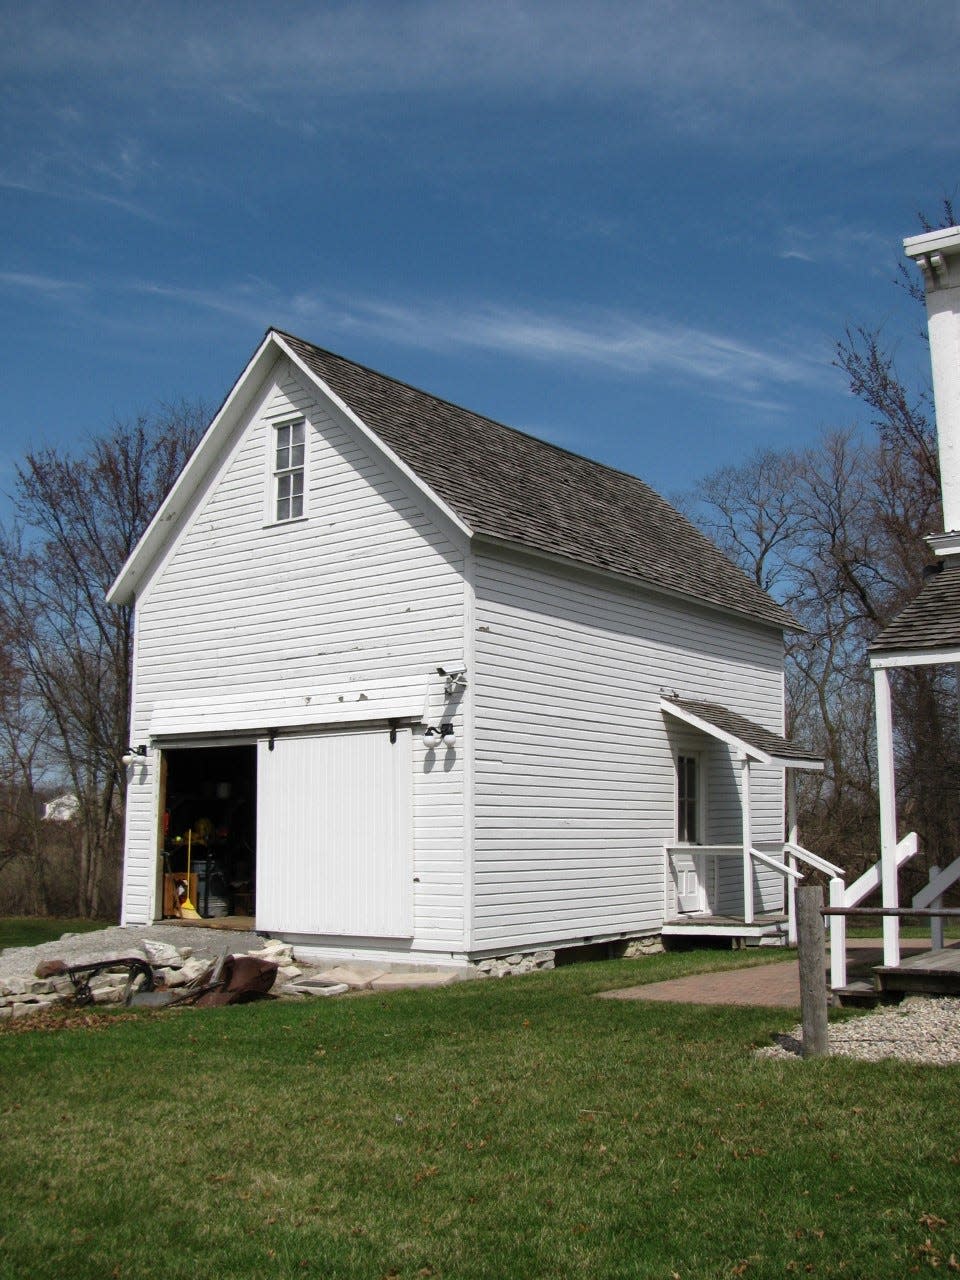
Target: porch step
858	995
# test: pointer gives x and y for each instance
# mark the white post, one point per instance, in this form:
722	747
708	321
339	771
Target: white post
793	837
747	841
838	936
886	784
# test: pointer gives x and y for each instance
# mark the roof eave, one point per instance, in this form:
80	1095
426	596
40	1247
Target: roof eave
125	585
378	442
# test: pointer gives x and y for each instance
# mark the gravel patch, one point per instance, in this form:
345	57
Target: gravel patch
923	1029
206	944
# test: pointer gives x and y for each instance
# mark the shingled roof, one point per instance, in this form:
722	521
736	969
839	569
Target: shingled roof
747	731
509	486
931	620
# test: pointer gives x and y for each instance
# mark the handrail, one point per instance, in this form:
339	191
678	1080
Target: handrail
845	897
870	879
814	859
923	912
938	883
781	867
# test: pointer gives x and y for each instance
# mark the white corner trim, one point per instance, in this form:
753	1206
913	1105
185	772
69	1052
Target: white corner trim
932	242
916	658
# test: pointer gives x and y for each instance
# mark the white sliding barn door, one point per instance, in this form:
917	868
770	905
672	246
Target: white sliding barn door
334	837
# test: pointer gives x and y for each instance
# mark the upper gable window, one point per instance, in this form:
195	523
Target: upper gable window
288	469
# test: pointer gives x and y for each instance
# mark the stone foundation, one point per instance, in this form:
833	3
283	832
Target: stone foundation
516	963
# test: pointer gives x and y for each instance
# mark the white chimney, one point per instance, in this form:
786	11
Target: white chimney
937	253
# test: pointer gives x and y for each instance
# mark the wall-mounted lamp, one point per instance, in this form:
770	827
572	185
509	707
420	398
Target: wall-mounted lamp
134	755
433	736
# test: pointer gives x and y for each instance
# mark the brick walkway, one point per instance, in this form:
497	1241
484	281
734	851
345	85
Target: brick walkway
766	984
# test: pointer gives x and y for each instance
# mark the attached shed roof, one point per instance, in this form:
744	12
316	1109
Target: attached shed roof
736	729
514	488
931	620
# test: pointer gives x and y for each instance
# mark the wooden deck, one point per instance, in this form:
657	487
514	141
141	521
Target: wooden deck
929	972
765	930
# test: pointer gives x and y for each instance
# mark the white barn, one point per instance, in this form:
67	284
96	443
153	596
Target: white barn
415	685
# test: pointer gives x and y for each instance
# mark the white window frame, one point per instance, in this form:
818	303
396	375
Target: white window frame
700	807
286	476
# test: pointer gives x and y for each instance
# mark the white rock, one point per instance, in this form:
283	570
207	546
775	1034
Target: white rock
190	970
162	954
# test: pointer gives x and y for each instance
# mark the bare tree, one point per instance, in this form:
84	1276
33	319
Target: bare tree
836	533
78	518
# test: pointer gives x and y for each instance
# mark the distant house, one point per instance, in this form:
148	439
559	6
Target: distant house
410	682
61	808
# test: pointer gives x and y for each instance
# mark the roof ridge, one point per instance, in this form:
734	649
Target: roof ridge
514	486
474	413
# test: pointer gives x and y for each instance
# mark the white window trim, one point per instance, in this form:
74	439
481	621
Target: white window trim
272	475
698	755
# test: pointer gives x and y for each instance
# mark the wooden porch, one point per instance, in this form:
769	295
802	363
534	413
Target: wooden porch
766	929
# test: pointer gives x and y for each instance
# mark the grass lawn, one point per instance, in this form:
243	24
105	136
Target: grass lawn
30	931
516	1128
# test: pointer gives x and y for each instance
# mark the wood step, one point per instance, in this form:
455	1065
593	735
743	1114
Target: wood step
858	995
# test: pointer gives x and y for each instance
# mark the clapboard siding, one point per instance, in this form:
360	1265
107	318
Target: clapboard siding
367	586
574	773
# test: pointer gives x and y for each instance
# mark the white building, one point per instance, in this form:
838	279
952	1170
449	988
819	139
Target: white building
927	631
416	684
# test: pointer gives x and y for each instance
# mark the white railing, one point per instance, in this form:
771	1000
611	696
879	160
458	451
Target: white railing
701	852
852	896
797	853
931	895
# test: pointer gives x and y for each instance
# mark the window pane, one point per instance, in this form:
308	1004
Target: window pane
296	456
296	433
687	824
296	506
296	483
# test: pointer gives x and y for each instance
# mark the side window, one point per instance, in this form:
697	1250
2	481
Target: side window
288	469
688	799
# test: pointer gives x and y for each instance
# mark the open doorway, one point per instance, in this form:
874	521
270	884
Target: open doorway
208	807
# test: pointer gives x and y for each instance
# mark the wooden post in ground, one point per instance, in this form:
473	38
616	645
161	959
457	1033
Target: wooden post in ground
813	970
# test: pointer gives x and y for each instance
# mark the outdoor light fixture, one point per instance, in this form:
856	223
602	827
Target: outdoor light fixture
432	736
134	755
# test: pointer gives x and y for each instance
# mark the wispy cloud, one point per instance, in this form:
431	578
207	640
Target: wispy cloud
696	63
40	285
838	244
594	340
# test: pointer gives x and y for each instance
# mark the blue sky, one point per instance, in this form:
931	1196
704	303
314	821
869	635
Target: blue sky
636	229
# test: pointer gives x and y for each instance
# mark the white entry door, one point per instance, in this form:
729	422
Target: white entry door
334	834
688	873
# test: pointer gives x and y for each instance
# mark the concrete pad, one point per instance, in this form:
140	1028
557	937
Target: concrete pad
357	977
423	978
